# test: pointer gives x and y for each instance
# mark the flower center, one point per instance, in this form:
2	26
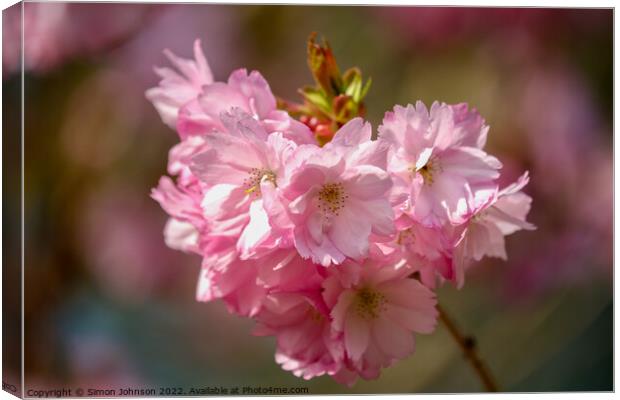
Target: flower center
405	237
368	303
332	197
314	314
256	176
429	171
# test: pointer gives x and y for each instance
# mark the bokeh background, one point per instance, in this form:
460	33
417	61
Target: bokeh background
108	305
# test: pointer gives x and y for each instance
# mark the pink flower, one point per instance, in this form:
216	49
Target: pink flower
295	313
186	228
378	307
180	160
306	343
178	88
436	158
284	270
338	196
187	224
181	235
248	92
268	210
484	233
238	169
428	250
244	284
224	276
234	283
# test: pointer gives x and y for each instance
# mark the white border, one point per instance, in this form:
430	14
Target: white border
479	3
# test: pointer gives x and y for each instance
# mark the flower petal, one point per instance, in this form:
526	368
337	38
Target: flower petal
356	335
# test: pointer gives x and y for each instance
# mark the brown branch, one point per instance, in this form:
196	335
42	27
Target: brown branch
468	346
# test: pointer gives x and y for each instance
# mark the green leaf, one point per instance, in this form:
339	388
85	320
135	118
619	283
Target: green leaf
365	89
316	97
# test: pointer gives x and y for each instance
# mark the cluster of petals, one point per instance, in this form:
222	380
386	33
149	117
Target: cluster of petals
334	250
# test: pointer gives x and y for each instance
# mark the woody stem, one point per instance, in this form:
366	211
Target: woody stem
468	346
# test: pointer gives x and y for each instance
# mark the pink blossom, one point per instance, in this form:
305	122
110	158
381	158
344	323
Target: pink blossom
233	283
378	307
436	158
268	210
484	233
296	314
181	235
186	228
338	196
180	160
306	343
244	284
237	169
224	276
284	270
177	88
428	250
187	222
248	92
190	101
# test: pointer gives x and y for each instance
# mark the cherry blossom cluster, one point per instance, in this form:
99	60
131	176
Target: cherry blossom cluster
334	248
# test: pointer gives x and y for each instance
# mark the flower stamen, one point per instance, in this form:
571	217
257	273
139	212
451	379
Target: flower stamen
332	198
256	176
429	171
405	237
314	314
368	303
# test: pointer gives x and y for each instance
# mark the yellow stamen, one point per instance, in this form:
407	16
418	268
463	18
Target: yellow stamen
405	237
252	183
368	303
332	198
429	171
314	314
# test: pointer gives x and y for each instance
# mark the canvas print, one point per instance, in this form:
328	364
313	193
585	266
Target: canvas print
205	200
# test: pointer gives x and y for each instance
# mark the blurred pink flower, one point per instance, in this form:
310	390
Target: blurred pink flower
122	244
56	32
435	28
574	241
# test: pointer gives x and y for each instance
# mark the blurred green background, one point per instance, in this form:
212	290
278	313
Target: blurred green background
108	305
